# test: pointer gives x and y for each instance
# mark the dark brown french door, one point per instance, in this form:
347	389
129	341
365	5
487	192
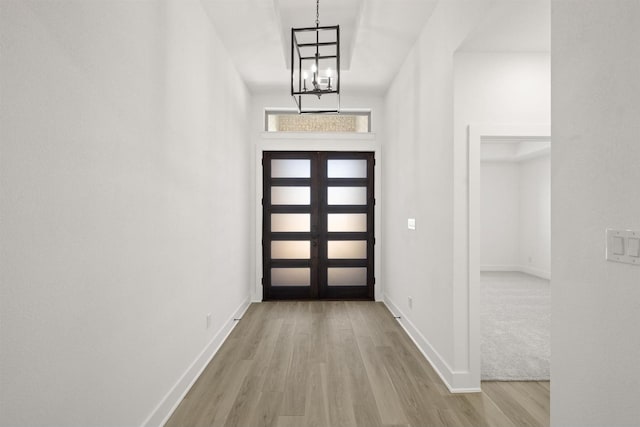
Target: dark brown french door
317	228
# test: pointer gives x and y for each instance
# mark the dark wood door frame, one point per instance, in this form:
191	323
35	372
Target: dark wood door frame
318	234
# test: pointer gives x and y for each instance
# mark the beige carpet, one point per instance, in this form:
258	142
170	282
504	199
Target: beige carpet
516	327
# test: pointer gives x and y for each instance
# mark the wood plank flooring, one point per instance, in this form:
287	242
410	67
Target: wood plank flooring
340	363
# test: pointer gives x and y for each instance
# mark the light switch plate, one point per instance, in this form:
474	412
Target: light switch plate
623	246
411	223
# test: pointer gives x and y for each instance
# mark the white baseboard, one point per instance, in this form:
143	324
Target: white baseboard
456	381
536	272
160	415
519	268
499	268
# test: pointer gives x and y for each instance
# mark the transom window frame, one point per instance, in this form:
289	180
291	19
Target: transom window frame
344	112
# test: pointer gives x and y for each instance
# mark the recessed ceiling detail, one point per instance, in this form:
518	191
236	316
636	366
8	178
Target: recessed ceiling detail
299	13
376	35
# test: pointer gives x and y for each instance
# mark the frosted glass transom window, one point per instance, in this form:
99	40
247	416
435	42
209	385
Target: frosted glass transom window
355	122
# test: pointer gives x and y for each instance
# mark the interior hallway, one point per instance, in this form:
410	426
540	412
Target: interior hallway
130	207
340	364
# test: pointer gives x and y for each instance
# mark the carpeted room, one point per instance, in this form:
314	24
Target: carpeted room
515	271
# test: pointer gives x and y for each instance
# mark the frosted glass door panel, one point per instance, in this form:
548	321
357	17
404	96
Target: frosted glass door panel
290	196
347	195
283	223
290	249
354	276
347	223
349	168
290	168
347	249
290	277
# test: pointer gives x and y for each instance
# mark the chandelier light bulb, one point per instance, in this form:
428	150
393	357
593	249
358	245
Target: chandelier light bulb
314	68
329	72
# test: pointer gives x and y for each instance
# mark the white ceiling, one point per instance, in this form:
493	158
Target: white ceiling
512	26
376	35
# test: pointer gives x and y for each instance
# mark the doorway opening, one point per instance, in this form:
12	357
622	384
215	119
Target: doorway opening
318	225
508	247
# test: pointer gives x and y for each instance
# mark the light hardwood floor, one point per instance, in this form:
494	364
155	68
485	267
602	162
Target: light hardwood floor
330	363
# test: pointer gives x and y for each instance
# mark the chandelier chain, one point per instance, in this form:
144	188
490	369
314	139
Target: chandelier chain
317	13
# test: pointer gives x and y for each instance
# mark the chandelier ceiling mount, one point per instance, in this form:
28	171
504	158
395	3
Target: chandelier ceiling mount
315	67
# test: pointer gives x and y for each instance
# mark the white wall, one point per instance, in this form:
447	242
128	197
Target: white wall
505	88
124	205
500	215
418	183
535	216
595	176
515	216
501	88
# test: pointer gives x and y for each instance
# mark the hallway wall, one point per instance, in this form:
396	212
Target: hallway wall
418	183
124	206
437	94
594	175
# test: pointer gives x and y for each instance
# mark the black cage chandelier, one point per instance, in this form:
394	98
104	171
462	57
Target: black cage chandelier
315	67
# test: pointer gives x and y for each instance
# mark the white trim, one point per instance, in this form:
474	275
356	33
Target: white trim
311	141
518	158
536	272
324	136
456	381
161	413
533	154
476	133
518	268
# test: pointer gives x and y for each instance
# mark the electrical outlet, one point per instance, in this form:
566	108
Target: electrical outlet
208	320
410	302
